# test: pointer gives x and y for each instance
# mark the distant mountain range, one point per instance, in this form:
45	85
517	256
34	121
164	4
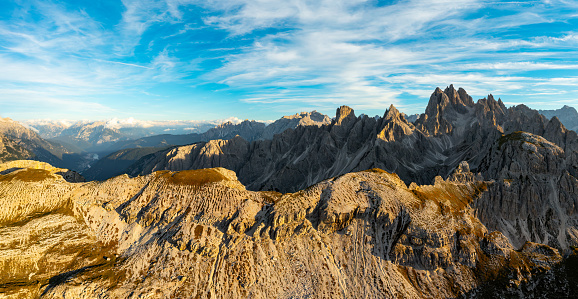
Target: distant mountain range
127	152
96	136
79	145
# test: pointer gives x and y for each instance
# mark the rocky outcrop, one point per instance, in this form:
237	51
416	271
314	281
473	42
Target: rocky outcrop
395	126
533	196
313	118
66	174
443	109
200	233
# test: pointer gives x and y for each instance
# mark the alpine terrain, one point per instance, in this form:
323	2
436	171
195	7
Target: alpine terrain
470	200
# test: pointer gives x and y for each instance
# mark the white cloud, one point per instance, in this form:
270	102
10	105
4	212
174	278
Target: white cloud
520	66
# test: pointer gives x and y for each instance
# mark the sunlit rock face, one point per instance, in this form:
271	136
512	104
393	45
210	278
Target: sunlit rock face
202	234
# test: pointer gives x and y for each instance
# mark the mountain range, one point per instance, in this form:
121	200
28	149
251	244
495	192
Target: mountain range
472	199
453	129
19	142
127	153
94	136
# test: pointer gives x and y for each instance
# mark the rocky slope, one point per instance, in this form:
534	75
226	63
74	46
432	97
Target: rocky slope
10	150
93	136
533	196
116	163
201	234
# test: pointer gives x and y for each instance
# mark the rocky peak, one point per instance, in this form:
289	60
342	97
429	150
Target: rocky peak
462	174
458	100
344	113
225	124
432	121
392	113
438	101
490	112
465	97
312	118
394	125
556	123
318	117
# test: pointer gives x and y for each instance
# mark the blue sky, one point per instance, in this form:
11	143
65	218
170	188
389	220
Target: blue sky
261	59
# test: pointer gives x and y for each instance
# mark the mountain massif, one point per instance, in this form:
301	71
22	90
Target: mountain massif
201	234
470	200
453	129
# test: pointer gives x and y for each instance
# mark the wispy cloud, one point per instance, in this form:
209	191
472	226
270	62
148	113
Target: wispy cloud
286	54
363	54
